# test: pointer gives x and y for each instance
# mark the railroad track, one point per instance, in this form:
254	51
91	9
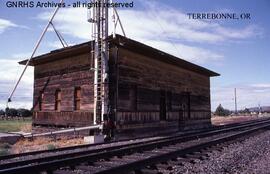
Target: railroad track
127	158
134	141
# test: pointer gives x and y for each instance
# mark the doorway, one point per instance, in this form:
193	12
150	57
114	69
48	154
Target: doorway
162	106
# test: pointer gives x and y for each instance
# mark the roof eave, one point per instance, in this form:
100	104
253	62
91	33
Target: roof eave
125	42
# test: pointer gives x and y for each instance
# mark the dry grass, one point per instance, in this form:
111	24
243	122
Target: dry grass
4	149
26	128
15	125
43	143
219	120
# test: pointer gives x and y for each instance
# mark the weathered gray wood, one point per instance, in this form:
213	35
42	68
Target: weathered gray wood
65	75
150	77
144	85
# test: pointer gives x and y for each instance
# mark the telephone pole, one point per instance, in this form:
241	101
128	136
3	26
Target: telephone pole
235	101
99	20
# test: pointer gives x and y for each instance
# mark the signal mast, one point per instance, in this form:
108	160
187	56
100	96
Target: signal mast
99	20
98	17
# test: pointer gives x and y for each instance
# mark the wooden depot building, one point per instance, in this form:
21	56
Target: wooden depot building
149	90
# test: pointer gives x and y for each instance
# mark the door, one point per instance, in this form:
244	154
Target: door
162	107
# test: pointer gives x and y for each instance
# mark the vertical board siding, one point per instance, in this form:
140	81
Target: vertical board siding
151	77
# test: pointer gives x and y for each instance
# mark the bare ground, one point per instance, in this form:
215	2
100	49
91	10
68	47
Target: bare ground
219	120
43	144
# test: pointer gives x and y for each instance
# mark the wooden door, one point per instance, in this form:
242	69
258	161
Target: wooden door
162	106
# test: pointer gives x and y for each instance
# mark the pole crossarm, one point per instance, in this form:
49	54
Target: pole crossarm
115	21
118	19
60	37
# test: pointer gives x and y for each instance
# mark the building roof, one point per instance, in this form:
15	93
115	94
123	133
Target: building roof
122	42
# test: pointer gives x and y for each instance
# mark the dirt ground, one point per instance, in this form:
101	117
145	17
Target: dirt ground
219	120
43	144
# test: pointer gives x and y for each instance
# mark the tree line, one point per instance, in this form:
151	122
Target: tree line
226	112
12	112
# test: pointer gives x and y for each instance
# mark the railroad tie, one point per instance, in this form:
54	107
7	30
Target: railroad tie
145	171
194	156
164	166
106	164
175	163
60	171
89	169
189	160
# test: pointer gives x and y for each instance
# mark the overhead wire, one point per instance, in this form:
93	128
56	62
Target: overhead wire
34	51
162	28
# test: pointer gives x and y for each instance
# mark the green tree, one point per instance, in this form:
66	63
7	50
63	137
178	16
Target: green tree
246	110
24	112
221	111
2	112
11	112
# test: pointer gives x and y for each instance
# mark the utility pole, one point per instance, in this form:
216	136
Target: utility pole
98	17
235	101
99	20
35	49
259	108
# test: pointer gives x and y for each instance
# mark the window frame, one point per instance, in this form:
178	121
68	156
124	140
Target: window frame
58	99
77	98
40	100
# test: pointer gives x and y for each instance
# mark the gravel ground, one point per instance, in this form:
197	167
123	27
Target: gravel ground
250	156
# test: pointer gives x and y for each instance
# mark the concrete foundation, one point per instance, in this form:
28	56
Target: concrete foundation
94	139
9	138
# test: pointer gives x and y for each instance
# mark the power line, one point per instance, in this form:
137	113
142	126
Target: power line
162	28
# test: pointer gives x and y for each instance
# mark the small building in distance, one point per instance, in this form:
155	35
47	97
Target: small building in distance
149	90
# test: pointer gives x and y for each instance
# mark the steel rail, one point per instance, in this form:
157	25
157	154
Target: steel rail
140	164
91	145
52	163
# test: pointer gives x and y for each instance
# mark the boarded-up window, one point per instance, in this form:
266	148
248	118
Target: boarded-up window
123	93
148	99
133	98
162	106
189	104
40	101
127	99
58	100
169	100
77	99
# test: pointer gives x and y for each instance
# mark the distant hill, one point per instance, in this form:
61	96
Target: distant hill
263	109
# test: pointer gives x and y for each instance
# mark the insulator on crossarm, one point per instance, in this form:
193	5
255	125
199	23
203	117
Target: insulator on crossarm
91	15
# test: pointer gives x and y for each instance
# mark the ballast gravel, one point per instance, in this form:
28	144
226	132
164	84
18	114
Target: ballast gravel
249	156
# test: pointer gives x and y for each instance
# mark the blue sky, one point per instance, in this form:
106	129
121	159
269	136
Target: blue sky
237	49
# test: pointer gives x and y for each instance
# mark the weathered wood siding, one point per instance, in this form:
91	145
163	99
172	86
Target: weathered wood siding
64	75
150	92
146	84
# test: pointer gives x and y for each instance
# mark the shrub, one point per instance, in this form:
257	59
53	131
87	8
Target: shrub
4	152
5	146
51	147
221	111
4	149
11	112
2	112
24	112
